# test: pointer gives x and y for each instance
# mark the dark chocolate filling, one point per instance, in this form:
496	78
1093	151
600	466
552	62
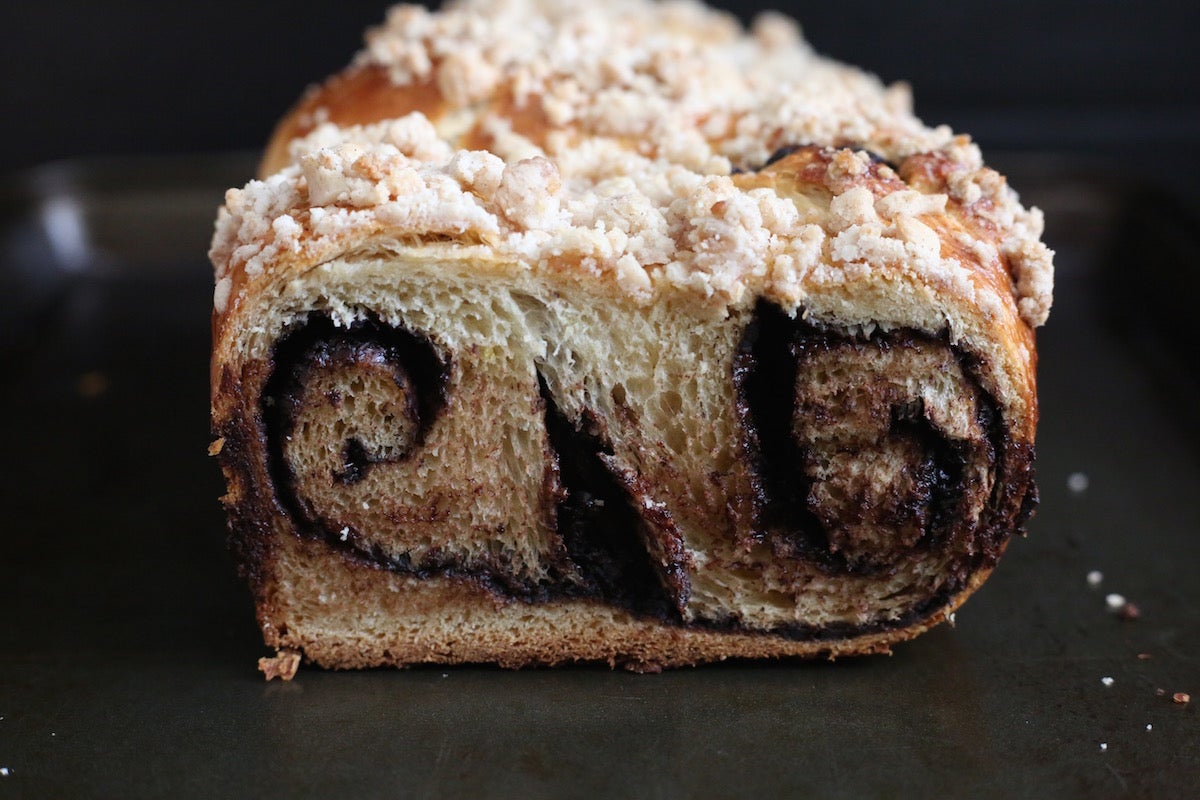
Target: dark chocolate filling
415	365
355	462
597	520
597	517
764	373
940	475
418	367
785	151
318	342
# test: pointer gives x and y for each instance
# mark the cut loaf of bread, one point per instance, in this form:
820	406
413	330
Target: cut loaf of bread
561	333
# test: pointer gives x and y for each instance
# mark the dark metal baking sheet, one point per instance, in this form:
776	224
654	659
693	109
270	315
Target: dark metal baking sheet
127	647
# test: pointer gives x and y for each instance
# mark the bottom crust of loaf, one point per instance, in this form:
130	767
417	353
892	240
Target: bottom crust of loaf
342	614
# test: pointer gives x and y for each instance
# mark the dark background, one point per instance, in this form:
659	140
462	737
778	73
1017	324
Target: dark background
85	78
127	644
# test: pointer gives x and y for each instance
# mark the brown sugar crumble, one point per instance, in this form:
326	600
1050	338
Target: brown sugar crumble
282	665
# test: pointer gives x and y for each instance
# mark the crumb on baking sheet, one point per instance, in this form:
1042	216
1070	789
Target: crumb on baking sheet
1181	698
1103	746
1129	611
1144	656
1077	482
282	665
1107	680
1095	578
1119	605
5	772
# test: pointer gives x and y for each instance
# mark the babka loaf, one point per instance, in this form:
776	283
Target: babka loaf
558	331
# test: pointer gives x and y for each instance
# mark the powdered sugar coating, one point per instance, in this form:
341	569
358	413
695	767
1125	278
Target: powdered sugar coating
643	111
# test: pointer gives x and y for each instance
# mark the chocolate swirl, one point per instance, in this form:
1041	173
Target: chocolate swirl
869	451
868	455
346	407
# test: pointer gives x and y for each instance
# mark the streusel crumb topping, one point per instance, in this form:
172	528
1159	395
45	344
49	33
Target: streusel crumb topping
645	113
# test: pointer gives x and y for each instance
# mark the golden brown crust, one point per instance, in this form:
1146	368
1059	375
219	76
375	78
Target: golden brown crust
358	96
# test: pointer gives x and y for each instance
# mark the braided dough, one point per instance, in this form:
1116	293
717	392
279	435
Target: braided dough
558	332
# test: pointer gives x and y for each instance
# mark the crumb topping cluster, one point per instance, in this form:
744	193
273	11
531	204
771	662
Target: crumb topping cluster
644	114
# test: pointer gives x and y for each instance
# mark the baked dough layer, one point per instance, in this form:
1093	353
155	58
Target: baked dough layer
559	333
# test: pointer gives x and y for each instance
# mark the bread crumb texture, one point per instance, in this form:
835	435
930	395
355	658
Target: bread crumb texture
620	140
283	665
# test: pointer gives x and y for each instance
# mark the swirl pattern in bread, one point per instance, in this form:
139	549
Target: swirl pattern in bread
555	332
